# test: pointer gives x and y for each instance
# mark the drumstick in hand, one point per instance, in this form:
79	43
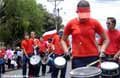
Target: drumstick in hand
93	63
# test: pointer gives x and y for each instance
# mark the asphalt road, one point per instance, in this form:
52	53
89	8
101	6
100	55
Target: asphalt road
18	73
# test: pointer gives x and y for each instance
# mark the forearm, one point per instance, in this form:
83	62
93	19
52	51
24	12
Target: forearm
105	42
104	46
64	45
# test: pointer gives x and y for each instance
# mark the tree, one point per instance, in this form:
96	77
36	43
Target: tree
19	16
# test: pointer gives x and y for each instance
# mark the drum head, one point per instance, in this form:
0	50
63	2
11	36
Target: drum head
60	61
109	65
85	72
35	59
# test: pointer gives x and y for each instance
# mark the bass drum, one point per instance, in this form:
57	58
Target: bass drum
35	59
109	69
86	72
60	62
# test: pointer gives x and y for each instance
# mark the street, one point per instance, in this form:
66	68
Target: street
18	73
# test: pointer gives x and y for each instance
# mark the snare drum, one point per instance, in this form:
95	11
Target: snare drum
109	69
59	62
35	59
86	72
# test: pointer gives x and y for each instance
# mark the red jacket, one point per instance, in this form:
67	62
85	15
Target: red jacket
2	53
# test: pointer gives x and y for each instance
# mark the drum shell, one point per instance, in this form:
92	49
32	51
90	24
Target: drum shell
59	66
110	72
96	74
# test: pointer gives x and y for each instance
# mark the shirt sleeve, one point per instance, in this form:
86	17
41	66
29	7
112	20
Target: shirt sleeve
100	41
67	29
99	29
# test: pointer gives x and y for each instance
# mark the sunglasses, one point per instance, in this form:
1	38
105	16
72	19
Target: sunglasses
108	23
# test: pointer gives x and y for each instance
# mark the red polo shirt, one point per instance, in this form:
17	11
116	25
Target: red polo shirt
35	41
2	53
43	46
57	43
28	46
114	45
83	37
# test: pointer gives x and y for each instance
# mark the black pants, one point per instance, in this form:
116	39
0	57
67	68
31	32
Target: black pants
55	70
9	63
24	66
36	69
43	66
0	70
3	68
43	69
19	61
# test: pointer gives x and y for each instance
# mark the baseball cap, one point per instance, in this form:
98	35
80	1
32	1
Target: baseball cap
83	12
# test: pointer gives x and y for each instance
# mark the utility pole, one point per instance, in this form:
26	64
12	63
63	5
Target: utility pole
55	11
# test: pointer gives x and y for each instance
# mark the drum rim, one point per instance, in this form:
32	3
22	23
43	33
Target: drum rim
91	75
103	67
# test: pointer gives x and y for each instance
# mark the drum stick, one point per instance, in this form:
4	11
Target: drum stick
93	63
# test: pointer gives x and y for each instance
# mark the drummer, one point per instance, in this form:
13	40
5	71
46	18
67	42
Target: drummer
112	52
58	52
35	47
27	47
50	50
43	51
83	29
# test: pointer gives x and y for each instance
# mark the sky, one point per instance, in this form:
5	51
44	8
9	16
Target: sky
100	9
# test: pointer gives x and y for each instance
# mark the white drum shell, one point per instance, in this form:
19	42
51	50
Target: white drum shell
109	69
59	62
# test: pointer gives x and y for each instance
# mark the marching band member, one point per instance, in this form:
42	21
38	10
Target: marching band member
36	42
27	46
83	30
58	52
112	52
50	50
43	51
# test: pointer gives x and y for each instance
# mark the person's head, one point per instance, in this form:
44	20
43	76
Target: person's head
41	38
26	35
33	34
83	10
111	23
49	40
60	32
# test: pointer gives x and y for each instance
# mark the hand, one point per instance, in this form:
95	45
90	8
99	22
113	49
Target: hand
116	56
66	53
102	54
26	56
67	56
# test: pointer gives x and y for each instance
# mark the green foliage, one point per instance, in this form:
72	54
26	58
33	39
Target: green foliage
19	16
